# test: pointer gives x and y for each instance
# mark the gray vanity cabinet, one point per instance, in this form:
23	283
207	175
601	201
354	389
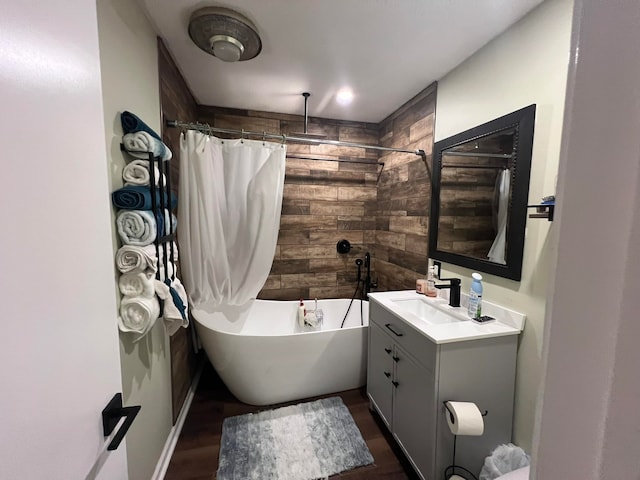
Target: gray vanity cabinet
414	391
409	378
380	372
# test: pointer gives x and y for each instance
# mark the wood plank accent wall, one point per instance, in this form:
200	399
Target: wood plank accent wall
466	223
404	194
323	202
176	101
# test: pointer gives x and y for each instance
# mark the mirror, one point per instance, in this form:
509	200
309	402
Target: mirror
479	195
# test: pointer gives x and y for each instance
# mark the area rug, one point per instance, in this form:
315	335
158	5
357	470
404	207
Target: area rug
302	442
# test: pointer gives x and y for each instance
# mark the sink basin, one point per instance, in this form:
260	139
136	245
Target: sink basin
424	311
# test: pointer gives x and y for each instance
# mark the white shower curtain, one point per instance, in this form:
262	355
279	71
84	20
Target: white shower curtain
497	252
229	216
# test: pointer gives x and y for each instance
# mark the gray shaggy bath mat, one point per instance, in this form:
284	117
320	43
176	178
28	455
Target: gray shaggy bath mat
301	442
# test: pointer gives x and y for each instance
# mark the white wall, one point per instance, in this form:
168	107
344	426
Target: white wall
129	61
590	417
59	359
527	64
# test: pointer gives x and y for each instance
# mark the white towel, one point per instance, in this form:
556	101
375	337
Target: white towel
140	144
136	284
171	270
172	317
151	250
138	314
137	173
136	227
131	258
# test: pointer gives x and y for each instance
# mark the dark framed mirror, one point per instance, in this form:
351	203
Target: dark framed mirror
479	195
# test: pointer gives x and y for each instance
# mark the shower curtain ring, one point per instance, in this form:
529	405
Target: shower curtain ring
264	137
242	136
284	139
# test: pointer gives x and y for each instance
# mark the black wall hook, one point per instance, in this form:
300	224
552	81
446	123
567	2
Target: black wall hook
112	414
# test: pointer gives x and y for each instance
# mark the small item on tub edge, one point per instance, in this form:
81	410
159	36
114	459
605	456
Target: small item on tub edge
483	319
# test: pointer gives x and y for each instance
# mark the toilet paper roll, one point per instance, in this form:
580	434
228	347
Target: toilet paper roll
464	418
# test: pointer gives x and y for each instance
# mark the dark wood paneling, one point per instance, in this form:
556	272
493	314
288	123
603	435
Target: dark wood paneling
404	194
176	103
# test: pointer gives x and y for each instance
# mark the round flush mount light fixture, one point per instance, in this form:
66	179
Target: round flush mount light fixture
225	34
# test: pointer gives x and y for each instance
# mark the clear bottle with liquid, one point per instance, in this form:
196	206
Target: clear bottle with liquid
475	296
431	290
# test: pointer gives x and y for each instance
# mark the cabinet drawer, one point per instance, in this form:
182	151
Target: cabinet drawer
404	335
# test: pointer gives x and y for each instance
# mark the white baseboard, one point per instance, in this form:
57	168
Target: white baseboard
174	434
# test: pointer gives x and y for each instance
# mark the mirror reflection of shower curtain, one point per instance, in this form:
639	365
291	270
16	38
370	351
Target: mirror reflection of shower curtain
497	252
229	211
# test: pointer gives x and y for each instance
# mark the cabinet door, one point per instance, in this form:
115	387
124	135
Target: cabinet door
414	413
380	371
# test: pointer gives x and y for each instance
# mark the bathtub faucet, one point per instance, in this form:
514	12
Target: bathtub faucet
368	284
359	264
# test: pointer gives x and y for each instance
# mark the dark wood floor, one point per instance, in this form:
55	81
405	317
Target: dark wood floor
196	453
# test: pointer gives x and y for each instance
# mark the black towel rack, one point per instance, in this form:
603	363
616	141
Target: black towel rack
164	199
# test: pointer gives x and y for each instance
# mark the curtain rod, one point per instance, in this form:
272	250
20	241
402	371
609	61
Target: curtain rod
343	160
208	129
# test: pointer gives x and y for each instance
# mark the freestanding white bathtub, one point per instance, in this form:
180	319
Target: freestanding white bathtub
264	357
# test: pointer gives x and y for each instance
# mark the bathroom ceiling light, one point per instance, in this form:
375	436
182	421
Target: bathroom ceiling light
344	96
225	34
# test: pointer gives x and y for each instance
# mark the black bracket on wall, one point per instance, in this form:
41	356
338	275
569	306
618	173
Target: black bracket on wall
112	414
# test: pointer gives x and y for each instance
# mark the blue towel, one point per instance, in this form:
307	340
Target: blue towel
138	197
177	301
131	123
161	220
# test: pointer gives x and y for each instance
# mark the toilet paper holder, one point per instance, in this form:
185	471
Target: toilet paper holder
451	471
484	414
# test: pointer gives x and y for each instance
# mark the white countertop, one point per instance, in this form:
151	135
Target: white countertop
508	322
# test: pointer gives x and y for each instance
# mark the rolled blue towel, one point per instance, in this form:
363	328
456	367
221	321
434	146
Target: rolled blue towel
138	197
131	124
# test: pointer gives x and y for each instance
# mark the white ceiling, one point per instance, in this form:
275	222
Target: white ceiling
386	51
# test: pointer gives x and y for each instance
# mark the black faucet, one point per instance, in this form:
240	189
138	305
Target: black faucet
368	284
454	286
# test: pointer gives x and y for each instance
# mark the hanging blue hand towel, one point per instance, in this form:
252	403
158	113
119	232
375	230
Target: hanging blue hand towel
131	124
138	197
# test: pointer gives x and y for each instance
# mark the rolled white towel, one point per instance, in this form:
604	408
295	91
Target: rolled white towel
138	314
173	317
136	284
131	258
140	144
136	227
137	173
